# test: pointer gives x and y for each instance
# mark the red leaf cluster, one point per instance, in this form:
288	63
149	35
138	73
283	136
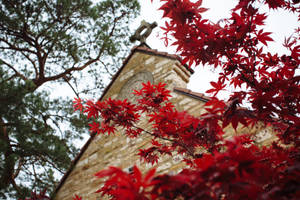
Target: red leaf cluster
219	169
127	186
112	113
242	172
77	197
152	96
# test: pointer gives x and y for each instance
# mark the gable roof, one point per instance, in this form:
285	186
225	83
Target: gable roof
144	48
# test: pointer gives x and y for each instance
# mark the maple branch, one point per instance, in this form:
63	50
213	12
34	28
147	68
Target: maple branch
169	140
252	83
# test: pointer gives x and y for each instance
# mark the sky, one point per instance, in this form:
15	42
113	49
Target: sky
280	23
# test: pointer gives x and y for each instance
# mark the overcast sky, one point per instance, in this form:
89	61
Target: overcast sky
280	23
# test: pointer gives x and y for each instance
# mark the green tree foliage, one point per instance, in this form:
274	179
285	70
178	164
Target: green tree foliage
73	42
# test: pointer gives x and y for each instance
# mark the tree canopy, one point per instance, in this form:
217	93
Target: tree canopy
234	168
45	43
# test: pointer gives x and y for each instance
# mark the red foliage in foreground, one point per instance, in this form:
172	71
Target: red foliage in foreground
234	169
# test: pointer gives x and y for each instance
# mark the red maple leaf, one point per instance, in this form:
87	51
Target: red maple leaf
263	37
216	87
77	104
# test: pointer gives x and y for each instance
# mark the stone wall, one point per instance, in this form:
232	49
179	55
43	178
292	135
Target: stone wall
119	150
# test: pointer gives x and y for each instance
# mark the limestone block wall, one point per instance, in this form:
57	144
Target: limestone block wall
119	150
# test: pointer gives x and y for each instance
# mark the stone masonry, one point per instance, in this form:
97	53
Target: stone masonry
102	151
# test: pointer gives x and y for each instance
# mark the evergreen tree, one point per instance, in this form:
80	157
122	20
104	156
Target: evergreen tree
71	42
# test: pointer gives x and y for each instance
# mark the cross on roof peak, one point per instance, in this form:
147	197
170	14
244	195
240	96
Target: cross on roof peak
143	31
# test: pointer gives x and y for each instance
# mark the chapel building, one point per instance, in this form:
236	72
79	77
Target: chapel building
101	151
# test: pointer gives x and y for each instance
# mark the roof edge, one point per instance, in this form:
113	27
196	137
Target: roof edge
163	54
190	93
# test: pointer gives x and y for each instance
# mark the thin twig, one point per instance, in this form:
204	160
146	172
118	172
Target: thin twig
168	139
16	72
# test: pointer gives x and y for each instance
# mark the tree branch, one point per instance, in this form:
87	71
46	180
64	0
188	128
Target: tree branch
8	79
15	48
106	68
16	72
68	82
16	187
169	140
17	171
32	62
85	65
9	163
